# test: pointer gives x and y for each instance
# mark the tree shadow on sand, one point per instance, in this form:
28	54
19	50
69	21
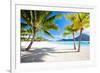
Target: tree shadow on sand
35	55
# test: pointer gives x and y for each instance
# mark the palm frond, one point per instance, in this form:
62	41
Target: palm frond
50	26
47	33
69	28
71	17
66	33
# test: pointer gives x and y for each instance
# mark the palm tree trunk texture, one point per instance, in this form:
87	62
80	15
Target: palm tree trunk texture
29	37
79	45
32	40
74	41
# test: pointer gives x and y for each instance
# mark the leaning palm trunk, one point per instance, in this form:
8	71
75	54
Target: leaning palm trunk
79	45
74	41
33	30
29	37
32	40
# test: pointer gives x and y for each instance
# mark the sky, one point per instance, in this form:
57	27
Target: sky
61	23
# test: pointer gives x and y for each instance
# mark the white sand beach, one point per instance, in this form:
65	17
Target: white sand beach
46	52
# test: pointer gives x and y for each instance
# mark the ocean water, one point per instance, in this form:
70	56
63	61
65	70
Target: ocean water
83	43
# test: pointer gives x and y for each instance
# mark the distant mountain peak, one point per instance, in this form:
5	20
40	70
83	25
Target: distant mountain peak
85	37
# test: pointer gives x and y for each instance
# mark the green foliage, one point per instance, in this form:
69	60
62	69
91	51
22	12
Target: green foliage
24	39
66	33
39	38
44	22
47	33
70	16
50	26
79	20
69	28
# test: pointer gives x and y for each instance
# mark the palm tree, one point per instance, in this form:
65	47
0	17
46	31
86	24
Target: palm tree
84	19
39	21
81	21
70	30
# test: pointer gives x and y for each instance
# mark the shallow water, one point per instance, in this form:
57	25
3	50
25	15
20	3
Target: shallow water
83	43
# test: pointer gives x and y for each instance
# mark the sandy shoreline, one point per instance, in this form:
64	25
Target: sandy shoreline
44	52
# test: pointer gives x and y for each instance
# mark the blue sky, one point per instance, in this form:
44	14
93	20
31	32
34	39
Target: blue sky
61	23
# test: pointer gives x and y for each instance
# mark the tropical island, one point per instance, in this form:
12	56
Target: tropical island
52	36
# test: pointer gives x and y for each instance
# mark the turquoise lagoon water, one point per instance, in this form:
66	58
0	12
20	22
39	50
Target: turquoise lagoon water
83	43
